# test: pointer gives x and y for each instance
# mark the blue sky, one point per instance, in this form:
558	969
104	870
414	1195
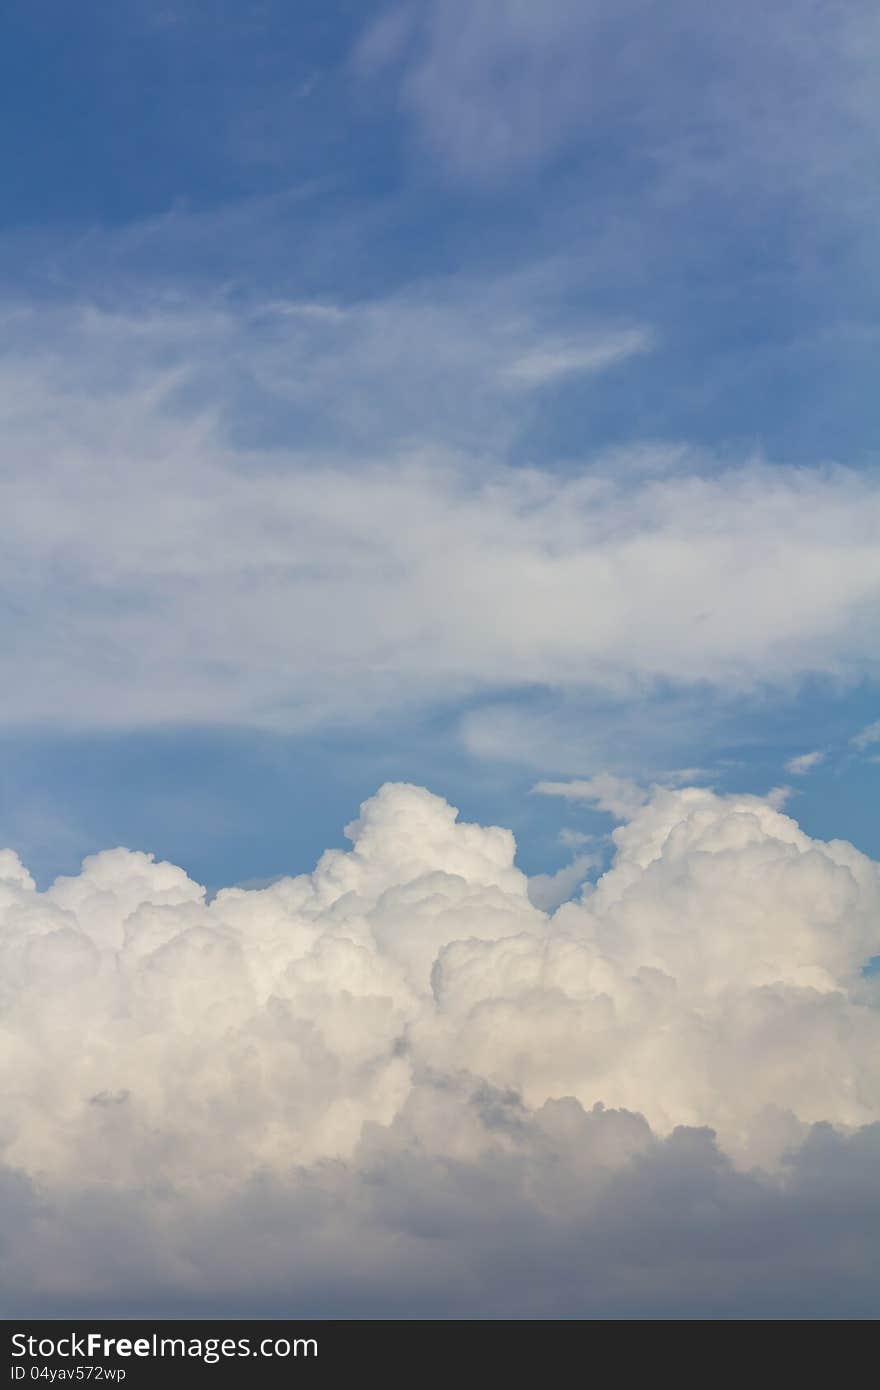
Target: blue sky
463	393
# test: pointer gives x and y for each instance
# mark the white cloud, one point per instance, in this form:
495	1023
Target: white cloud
804	763
586	728
552	361
678	101
162	567
378	1083
620	796
778	796
575	839
867	736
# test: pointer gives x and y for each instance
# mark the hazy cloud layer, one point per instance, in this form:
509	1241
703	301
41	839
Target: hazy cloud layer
395	1085
498	89
164	565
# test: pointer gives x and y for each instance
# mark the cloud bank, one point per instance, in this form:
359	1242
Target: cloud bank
396	1086
167	565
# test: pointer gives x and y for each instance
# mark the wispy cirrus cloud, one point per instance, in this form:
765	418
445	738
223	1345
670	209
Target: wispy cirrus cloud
495	90
620	796
867	736
548	362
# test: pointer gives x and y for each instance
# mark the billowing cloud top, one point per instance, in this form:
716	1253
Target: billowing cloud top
381	1083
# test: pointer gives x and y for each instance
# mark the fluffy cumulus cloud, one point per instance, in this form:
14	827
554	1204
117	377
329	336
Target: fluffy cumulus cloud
395	1085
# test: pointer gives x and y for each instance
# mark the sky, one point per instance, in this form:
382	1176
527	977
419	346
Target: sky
464	395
